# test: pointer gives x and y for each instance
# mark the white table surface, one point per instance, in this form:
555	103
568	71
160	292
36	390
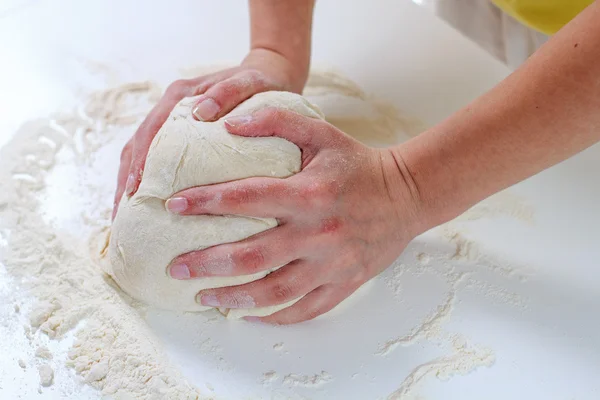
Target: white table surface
398	52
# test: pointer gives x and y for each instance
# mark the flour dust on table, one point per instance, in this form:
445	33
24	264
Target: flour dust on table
55	210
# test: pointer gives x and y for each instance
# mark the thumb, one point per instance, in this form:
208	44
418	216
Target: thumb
305	132
223	97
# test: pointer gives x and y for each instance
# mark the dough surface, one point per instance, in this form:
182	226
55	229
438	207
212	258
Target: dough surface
145	237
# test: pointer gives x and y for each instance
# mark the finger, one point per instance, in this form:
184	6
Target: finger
257	197
260	252
122	176
224	96
307	133
315	303
207	81
150	127
285	284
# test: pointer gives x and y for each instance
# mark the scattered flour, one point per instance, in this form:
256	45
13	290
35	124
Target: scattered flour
46	375
430	328
462	362
457	268
115	353
395	281
468	250
296	380
269	377
309	381
43	352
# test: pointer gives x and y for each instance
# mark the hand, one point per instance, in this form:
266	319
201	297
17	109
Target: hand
343	219
262	70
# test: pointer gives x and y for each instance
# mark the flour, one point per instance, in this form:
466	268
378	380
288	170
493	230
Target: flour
269	377
315	380
395	281
430	328
456	268
462	362
297	380
469	250
46	375
55	268
115	351
43	352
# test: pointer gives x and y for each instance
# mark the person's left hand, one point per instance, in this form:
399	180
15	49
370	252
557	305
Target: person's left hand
342	220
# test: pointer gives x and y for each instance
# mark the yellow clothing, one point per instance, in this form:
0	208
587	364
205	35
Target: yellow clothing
546	16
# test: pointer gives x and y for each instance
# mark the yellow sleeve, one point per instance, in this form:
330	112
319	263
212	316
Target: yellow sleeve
546	16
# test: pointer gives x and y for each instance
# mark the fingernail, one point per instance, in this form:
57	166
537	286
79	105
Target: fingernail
179	271
177	205
209	300
130	186
252	319
238	120
206	109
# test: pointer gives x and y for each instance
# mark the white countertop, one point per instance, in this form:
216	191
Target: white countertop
398	52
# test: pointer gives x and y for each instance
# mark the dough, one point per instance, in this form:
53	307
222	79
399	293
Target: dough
145	237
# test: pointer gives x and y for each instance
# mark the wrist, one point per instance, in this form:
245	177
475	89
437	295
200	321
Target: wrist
440	192
428	183
403	193
291	74
283	28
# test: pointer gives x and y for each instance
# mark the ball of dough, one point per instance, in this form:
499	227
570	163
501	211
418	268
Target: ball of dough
145	237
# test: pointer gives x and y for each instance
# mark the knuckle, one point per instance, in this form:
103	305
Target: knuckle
255	78
275	188
202	87
319	194
178	87
270	114
282	292
250	259
192	259
246	193
313	313
331	225
235	299
199	198
227	89
235	196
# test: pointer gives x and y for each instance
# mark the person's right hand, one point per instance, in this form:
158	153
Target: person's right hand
262	70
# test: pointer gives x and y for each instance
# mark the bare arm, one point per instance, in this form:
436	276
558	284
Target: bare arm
544	113
284	28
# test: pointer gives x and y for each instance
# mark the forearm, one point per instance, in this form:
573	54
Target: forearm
542	114
283	27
